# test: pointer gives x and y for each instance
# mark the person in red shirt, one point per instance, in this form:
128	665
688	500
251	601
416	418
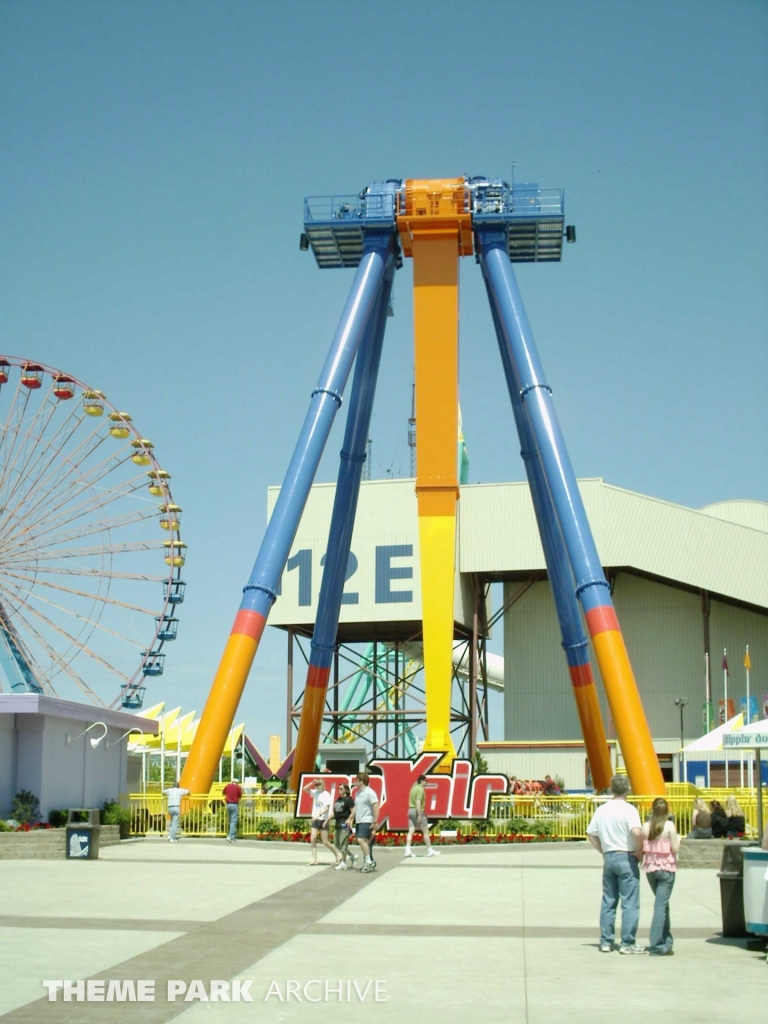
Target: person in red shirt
233	795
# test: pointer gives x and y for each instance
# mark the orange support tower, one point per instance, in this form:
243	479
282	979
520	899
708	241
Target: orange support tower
435	228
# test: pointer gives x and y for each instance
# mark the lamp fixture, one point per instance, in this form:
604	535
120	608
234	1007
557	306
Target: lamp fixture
94	741
121	738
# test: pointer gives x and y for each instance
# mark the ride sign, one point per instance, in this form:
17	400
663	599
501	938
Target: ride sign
461	795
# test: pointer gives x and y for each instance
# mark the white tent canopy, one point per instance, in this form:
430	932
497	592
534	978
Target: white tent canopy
715	739
754	736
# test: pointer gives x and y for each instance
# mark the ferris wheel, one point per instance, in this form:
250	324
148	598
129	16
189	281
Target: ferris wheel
90	543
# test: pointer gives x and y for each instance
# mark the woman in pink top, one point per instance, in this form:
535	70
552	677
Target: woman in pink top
660	845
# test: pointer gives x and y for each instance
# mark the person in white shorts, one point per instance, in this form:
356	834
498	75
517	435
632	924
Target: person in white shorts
417	818
321	816
366	817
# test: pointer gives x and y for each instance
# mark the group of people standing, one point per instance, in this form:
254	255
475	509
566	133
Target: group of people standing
716	821
360	812
629	847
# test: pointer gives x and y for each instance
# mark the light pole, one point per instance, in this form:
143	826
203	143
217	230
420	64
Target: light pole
680	702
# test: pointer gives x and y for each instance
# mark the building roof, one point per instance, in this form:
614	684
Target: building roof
722	549
39	704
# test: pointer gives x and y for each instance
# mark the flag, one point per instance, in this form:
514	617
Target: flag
747	662
725	663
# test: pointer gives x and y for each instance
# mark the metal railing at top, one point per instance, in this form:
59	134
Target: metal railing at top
559	817
518	202
377	207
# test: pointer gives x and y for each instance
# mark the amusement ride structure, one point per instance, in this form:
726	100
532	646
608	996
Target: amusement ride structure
435	222
90	543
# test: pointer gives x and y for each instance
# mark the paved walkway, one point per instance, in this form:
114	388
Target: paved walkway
479	935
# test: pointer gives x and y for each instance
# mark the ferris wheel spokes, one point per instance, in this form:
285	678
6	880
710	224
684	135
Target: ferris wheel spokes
77	535
86	594
95	500
57	659
92	622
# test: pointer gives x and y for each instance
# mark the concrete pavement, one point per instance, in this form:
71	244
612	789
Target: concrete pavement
480	934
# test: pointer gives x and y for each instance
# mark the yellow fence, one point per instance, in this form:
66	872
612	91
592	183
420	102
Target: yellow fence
207	815
561	817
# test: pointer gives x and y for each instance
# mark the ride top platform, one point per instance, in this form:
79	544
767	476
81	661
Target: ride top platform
532	219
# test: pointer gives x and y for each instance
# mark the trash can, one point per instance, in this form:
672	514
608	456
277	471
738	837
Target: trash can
83	836
756	890
731	875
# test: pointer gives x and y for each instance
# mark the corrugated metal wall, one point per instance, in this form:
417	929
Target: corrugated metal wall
733	628
664	632
531	763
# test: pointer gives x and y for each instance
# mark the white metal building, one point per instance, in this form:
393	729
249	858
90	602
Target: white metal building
684	581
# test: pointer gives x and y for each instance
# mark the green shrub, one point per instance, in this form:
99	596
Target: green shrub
26	807
4	826
266	827
56	819
113	814
540	828
518	826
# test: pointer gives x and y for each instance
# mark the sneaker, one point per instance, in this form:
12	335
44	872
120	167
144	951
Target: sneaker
341	866
353	858
374	865
606	947
631	950
433	852
661	952
366	869
408	852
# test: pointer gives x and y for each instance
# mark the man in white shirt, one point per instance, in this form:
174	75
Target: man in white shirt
616	832
366	819
174	794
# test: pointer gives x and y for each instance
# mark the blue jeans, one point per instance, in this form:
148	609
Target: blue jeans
662	883
173	813
233	812
621	881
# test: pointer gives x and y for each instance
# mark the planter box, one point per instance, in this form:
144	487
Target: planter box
705	853
46	843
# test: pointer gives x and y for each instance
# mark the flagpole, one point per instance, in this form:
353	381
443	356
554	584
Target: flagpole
707	692
725	709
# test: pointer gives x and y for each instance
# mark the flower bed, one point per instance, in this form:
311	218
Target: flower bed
385	838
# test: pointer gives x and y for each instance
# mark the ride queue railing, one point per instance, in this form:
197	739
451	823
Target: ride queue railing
558	817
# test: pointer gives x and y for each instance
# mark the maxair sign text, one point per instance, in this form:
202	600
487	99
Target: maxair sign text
458	795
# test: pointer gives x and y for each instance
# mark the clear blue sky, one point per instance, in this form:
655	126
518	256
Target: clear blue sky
154	161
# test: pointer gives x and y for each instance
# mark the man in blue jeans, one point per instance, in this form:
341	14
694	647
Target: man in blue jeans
232	795
616	832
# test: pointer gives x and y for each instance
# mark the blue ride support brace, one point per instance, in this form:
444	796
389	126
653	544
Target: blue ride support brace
340	535
260	592
574	640
592	588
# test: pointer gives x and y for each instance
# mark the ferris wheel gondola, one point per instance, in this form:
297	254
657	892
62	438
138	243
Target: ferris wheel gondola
90	561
